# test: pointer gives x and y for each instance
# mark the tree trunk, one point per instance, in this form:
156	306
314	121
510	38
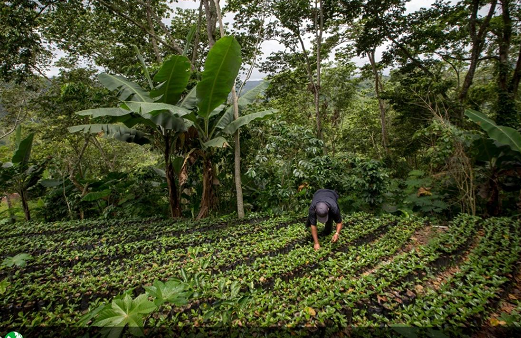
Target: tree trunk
478	38
319	22
378	87
516	77
155	47
196	40
237	150
208	198
25	205
173	196
211	20
506	105
494	200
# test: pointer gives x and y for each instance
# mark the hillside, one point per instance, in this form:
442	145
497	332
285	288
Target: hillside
263	272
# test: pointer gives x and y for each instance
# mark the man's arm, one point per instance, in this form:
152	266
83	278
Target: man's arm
314	233
337	217
337	233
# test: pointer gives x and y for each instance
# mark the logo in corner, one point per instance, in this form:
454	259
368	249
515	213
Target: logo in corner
13	335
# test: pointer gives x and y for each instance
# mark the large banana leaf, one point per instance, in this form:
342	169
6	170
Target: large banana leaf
243	120
504	135
118	132
103	112
217	110
153	108
225	119
23	151
170	121
190	100
127	90
174	75
143	65
18	135
249	97
218	142
221	68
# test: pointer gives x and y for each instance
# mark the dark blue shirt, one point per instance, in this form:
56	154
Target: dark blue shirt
330	197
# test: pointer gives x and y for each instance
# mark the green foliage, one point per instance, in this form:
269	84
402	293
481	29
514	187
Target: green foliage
19	260
4	284
419	193
289	166
123	312
221	68
172	291
173	76
504	135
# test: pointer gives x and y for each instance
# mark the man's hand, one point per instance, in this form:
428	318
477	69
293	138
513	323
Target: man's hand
334	238
316	246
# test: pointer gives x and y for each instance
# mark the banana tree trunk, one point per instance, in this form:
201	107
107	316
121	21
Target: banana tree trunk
25	205
208	198
494	200
173	195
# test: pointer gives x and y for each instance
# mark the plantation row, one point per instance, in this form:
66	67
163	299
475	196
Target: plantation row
261	272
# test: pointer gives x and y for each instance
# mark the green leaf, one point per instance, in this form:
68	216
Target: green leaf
118	132
190	100
18	135
221	68
19	260
23	151
153	108
170	121
243	101
225	119
159	172
489	149
251	95
127	90
95	195
505	135
243	120
173	75
126	311
143	65
218	142
172	292
89	315
177	163
103	112
51	183
3	286
189	38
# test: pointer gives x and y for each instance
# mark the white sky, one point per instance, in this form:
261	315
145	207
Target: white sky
269	46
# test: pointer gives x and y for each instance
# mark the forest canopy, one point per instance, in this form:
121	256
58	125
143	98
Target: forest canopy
401	109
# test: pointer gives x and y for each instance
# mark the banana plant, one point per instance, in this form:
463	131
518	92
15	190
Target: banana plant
167	116
502	154
155	113
211	117
19	175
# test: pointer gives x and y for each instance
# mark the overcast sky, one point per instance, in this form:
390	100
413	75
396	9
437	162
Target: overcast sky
270	46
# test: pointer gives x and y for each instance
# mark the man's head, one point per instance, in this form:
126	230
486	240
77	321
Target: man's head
322	210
